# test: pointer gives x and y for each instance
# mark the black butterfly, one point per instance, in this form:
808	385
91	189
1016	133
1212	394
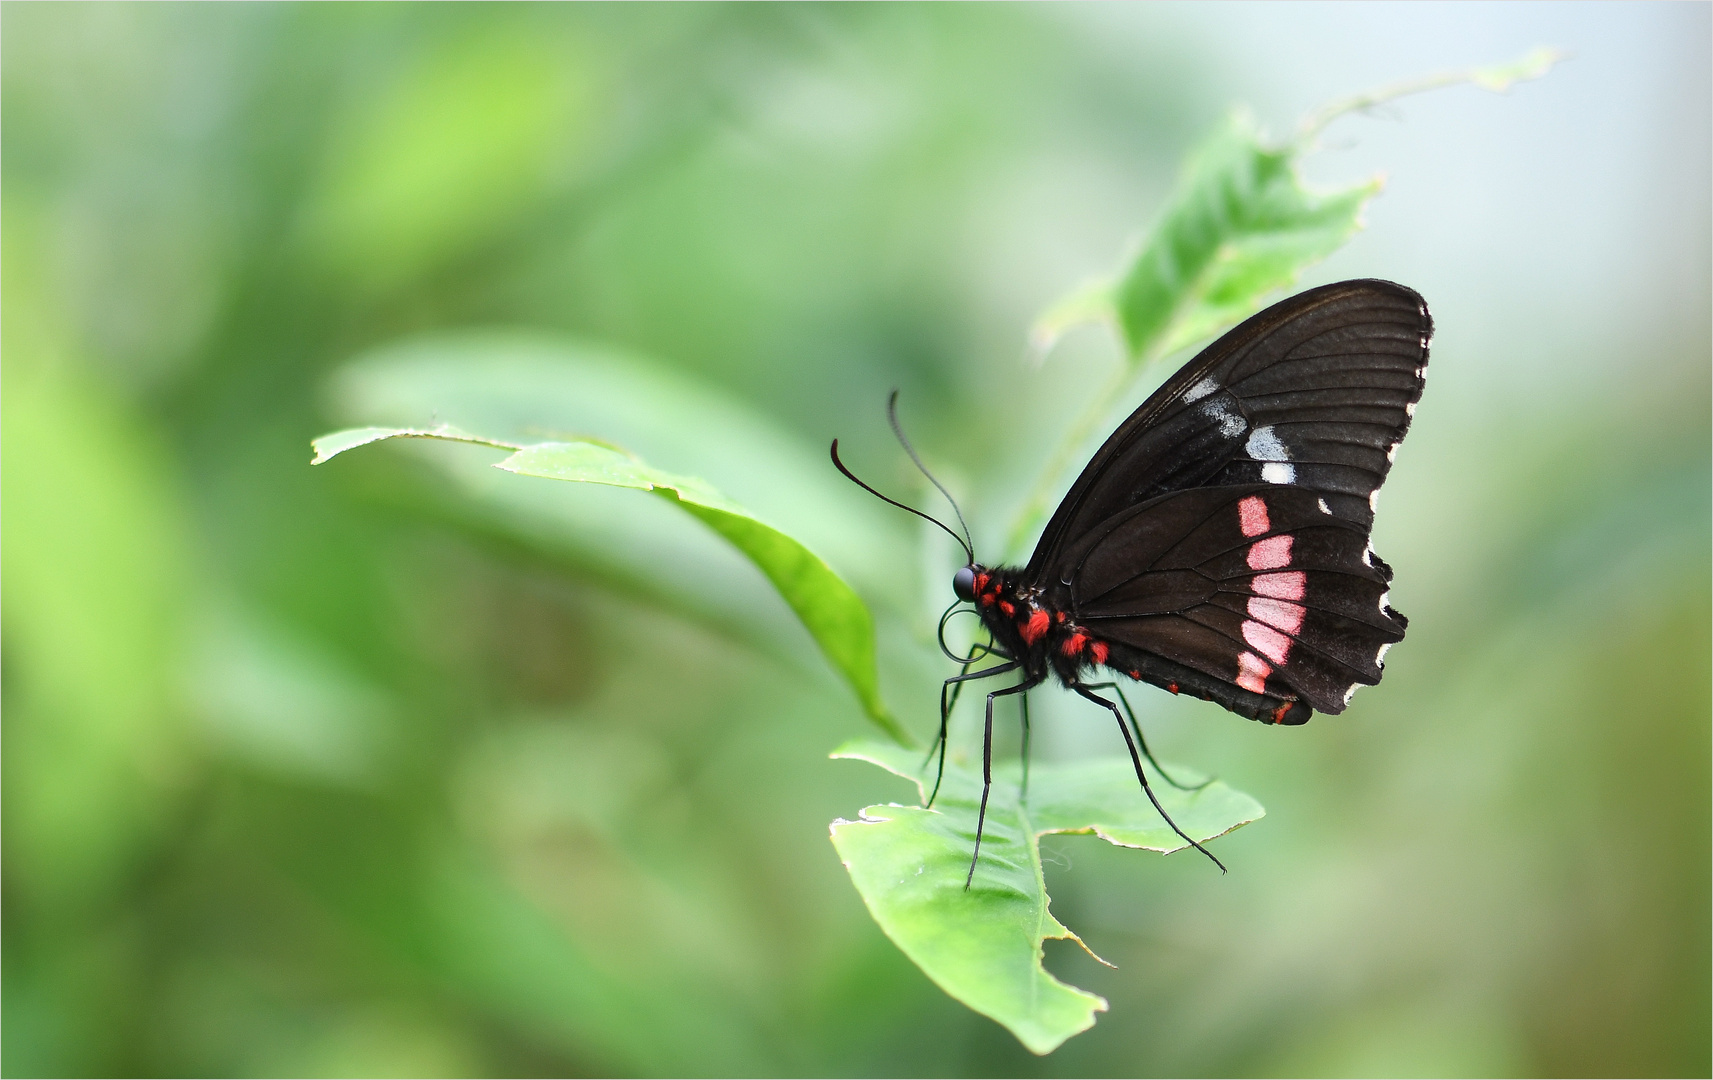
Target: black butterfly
1217	544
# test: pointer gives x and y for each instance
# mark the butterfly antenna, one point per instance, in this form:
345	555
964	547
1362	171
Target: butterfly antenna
852	477
898	430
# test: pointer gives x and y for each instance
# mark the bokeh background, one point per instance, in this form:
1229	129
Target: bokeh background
390	767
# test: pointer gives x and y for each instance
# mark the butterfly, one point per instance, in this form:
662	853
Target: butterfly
1217	544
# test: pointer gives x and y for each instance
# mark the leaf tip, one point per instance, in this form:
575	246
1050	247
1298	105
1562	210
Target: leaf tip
1067	934
329	446
1531	65
1092	301
1040	343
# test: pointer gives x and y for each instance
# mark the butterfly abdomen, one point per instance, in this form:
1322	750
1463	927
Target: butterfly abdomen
1048	641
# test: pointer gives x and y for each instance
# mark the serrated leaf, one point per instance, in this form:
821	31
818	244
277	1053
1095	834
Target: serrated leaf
829	608
328	447
1241	225
983	946
525	387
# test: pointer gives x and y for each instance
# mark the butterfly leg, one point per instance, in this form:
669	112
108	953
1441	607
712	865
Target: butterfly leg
990	649
987	771
1130	712
954	684
1023	704
1136	759
945	711
957	686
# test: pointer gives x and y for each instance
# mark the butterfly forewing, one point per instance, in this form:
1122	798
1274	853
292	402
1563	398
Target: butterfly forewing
1315	392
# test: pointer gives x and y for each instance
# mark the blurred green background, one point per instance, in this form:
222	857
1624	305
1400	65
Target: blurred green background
403	766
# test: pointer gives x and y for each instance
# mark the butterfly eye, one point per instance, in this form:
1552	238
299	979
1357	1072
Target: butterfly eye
963	583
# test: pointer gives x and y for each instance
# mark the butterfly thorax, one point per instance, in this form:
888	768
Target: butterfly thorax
1034	628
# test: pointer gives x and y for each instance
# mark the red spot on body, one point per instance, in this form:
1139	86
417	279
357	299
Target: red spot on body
981	582
1059	617
1137	675
1252	671
1008	607
1073	644
1252	516
1271	553
1035	627
1098	651
1173	687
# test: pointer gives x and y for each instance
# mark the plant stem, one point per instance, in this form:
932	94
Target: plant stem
1497	78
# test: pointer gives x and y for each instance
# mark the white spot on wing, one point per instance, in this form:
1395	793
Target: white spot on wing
1374	500
1392	453
1264	445
1201	389
1325	509
1384	597
1380	657
1275	473
1350	693
1232	424
1409	408
1366	552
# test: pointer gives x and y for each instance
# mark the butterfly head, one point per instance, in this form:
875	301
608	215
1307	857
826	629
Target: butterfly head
963	583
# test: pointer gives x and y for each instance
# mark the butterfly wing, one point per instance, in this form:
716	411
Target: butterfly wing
1255	585
1224	526
1314	393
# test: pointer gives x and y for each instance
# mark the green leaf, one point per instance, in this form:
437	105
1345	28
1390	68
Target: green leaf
1240	225
983	945
330	446
829	608
525	387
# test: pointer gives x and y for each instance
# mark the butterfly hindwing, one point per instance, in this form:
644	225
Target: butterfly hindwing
1256	585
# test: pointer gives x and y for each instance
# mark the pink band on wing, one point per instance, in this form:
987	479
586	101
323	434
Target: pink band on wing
1252	516
1272	553
1280	614
1252	672
1287	586
1274	645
